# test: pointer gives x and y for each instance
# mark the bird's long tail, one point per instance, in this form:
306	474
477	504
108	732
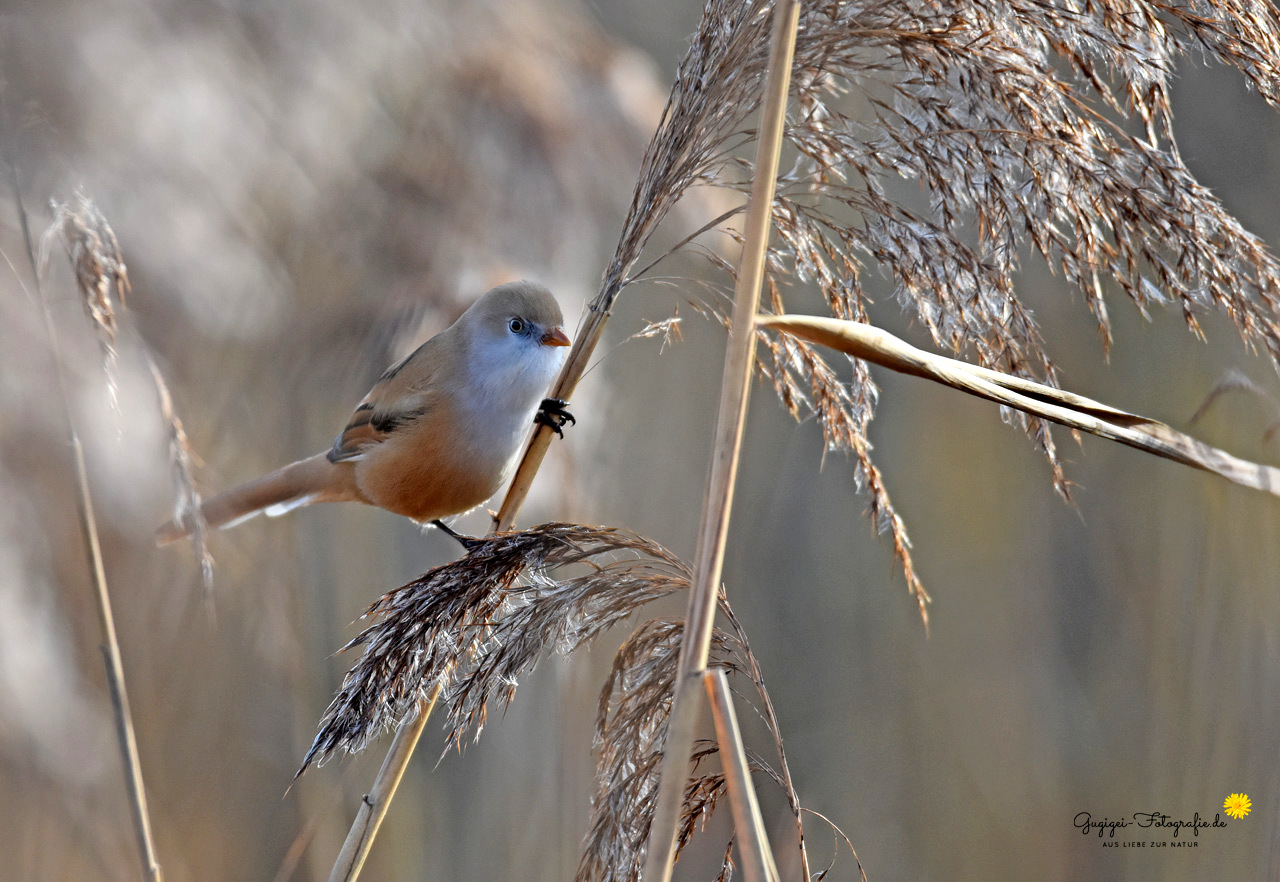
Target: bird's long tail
314	479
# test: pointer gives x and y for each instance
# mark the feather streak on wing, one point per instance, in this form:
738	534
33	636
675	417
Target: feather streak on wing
369	427
402	396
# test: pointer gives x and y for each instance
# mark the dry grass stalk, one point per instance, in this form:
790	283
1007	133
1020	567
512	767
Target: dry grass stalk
100	274
1046	402
115	675
374	805
735	387
758	864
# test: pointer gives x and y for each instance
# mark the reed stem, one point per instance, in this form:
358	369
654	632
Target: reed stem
574	368
753	843
730	419
373	808
111	656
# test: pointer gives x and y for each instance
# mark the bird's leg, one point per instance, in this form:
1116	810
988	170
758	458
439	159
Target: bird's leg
552	413
469	543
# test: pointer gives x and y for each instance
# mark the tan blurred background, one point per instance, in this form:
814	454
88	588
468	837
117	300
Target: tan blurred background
302	191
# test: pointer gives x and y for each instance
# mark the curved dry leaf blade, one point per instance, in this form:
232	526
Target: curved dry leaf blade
1077	412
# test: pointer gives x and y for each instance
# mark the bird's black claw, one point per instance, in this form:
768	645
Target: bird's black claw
557	407
552	413
468	543
544	419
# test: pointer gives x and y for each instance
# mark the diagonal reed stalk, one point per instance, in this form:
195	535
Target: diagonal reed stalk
115	670
753	843
89	528
730	419
373	808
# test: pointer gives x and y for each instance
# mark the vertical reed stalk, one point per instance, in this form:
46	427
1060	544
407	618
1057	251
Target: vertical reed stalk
115	672
373	808
89	527
753	842
730	418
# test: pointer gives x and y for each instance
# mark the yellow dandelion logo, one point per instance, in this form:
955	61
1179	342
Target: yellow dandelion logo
1237	805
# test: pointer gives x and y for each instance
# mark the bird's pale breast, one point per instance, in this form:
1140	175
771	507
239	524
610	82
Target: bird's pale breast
446	463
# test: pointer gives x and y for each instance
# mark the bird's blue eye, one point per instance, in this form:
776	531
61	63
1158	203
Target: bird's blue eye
516	325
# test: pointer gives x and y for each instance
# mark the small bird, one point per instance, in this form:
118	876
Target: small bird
438	434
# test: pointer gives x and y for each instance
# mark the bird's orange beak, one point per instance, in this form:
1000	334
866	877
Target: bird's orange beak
556	337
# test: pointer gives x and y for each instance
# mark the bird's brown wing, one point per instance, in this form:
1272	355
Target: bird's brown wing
401	397
370	425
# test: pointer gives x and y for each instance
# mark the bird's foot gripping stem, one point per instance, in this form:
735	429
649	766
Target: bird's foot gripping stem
469	543
553	414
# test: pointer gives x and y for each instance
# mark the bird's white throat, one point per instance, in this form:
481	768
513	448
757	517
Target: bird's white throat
509	378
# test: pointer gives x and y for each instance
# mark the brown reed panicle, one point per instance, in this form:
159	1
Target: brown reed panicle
103	281
631	727
101	275
1020	120
475	625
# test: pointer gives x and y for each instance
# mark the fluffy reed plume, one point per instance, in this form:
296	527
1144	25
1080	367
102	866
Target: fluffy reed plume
101	275
631	727
103	281
476	625
1018	119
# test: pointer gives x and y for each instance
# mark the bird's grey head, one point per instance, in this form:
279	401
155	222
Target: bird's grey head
517	341
521	311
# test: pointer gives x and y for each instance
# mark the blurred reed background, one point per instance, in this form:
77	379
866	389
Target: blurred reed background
302	191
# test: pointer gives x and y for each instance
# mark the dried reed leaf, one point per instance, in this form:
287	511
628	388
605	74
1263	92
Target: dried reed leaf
873	344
